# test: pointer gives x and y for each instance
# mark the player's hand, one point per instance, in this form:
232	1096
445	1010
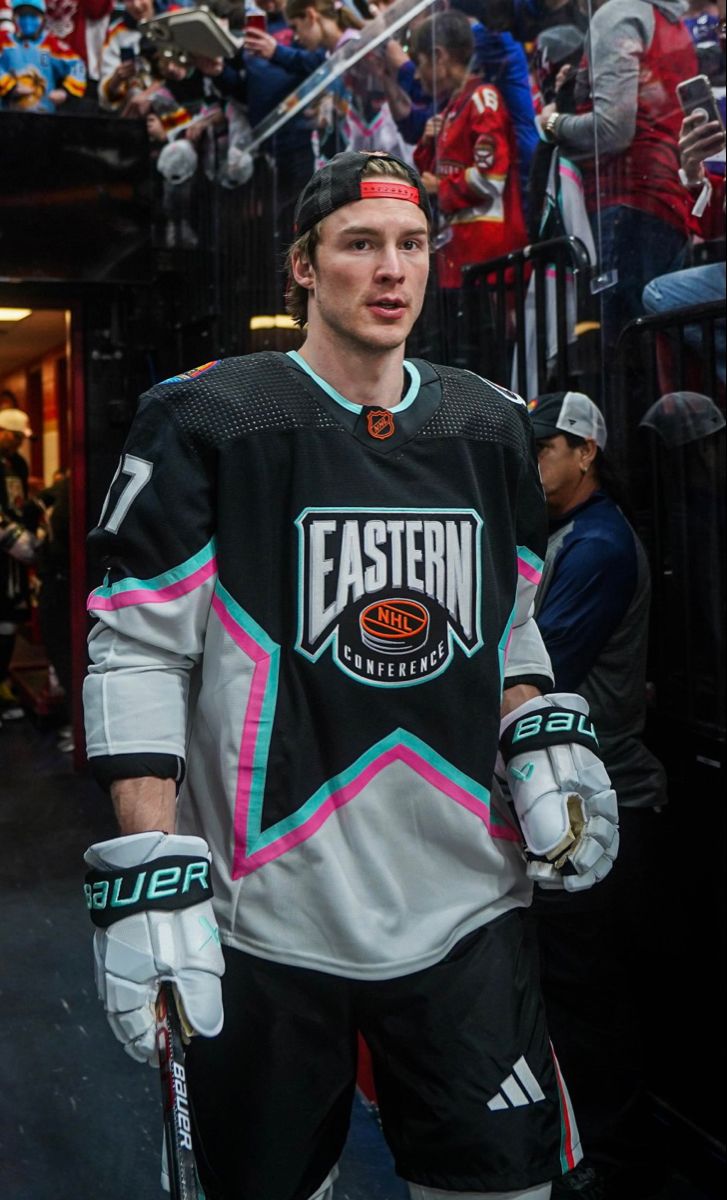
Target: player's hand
168	934
560	791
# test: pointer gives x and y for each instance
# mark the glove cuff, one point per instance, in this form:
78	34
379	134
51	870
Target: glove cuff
537	725
128	875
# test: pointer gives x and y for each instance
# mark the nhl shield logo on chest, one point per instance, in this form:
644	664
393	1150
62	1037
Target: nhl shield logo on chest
380	424
391	592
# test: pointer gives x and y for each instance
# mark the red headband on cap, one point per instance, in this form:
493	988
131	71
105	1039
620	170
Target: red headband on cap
393	189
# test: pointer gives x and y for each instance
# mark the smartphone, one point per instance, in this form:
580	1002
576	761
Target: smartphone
696	95
128	54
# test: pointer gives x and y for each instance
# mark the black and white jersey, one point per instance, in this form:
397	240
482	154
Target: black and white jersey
316	605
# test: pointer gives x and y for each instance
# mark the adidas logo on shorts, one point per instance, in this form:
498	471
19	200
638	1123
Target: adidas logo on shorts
511	1095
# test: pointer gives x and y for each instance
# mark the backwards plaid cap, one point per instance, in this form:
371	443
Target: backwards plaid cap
340	182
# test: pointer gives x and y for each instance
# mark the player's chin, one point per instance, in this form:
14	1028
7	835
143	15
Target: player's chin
390	334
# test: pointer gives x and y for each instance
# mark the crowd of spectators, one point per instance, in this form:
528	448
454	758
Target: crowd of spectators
520	113
527	119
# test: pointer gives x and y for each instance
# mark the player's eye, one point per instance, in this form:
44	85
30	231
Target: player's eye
360	244
412	244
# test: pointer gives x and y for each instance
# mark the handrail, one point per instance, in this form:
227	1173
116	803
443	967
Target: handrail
690	314
506	275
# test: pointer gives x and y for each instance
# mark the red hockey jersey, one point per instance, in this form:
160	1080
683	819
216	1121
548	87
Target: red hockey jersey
475	159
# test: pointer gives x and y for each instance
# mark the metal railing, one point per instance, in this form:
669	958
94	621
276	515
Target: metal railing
528	290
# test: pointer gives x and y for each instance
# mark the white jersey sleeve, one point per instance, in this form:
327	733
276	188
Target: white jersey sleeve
526	656
156	542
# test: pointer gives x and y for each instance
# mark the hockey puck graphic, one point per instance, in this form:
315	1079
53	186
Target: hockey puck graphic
394	626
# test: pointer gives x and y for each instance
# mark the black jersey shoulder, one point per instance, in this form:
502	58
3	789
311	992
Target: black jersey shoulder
234	397
476	408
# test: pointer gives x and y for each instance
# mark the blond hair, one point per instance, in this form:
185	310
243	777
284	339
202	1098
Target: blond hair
296	296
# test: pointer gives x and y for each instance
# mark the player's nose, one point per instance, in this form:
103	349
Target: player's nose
391	262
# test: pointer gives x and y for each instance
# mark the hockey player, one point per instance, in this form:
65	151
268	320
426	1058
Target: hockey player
38	72
326	653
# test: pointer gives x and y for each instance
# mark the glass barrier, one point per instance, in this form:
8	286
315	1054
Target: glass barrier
568	252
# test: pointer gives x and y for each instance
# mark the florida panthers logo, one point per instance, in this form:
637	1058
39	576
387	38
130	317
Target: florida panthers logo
389	591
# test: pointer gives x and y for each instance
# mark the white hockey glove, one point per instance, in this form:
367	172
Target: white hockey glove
149	896
560	791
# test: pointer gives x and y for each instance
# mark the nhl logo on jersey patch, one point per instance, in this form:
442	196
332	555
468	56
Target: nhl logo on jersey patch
394	626
390	592
379	423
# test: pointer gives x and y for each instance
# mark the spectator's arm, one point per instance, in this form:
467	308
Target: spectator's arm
114	75
69	74
297	62
425	155
7	81
620	33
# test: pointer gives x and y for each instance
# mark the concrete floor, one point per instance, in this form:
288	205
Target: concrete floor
78	1119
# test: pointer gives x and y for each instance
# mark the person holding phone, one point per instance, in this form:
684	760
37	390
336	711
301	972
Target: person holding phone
700	140
120	65
624	137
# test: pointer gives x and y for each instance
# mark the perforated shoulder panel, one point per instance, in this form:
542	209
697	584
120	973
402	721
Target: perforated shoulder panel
252	394
474	408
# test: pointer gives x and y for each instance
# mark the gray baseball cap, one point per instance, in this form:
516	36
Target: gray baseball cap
567	412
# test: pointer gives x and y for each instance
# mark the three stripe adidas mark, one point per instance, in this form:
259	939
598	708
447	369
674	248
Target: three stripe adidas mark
511	1095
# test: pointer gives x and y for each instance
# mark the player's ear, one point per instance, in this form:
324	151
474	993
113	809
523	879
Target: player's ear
302	270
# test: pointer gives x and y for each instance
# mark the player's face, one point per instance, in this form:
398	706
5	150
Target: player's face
370	273
561	472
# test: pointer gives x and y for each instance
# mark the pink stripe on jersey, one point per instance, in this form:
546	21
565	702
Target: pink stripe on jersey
571	173
251	727
142	595
244	865
528	571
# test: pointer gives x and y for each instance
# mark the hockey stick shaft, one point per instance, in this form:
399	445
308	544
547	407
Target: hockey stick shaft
175	1104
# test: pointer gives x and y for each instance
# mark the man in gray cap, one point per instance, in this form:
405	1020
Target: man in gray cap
592	609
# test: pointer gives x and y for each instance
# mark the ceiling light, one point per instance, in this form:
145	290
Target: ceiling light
14	314
278	321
